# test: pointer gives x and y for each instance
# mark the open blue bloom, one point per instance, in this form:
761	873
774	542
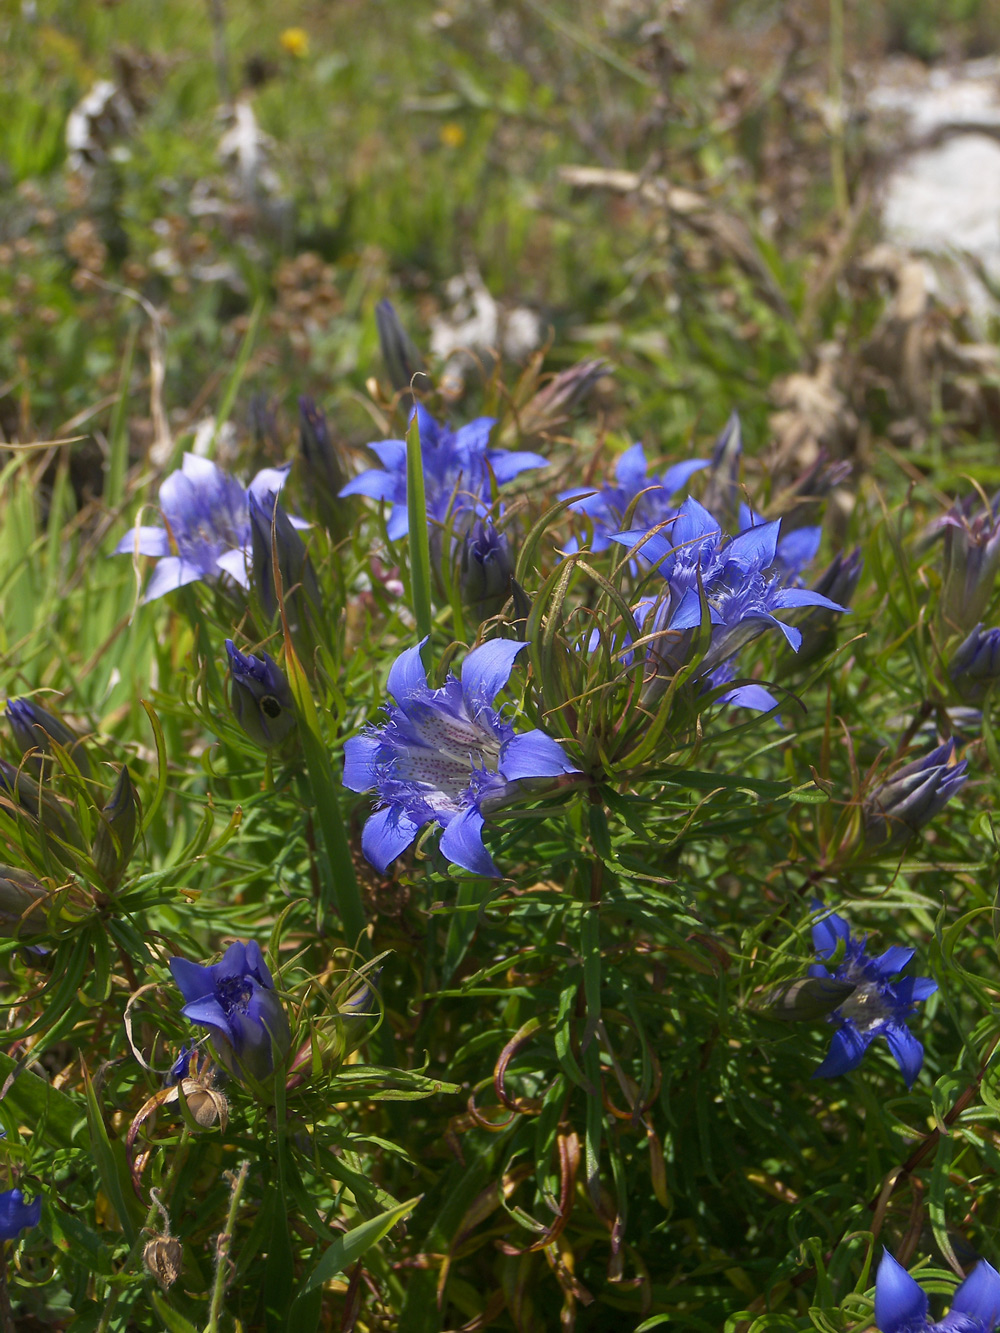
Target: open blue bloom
896	810
16	1215
901	1305
878	1007
445	756
607	507
207	518
742	580
457	466
236	1000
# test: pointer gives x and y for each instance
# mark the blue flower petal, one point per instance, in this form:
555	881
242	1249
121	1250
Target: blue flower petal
755	545
900	1303
144	540
407	677
750	696
652	546
374	483
170	573
399	523
193	981
892	961
471	438
846	1051
359	763
785	598
915	989
237	564
486	671
462	842
15	1214
506	466
532	754
392	454
386	834
827	933
979	1295
208	1012
907	1049
677	476
630	470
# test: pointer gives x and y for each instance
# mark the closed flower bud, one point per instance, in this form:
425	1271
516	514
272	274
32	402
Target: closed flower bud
323	469
19	892
34	728
300	591
971	560
261	697
898	809
116	831
722	493
806	999
486	574
54	820
975	665
402	360
359	1011
552	404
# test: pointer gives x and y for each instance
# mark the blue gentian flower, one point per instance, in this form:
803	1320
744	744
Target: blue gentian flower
207	519
901	1305
445	756
16	1215
741	579
607	507
879	1006
236	1000
457	466
896	810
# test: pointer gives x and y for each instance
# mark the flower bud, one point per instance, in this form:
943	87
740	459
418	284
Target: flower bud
722	494
115	837
896	810
975	665
402	360
486	574
971	560
34	728
551	405
323	469
55	820
19	892
300	591
806	999
839	582
261	697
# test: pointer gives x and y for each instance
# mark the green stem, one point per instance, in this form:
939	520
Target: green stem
222	1249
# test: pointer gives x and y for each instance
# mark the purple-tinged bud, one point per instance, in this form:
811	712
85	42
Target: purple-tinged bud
975	665
35	728
261	697
722	493
300	591
971	560
402	360
486	574
114	841
358	1012
323	469
552	404
896	810
263	426
19	894
839	581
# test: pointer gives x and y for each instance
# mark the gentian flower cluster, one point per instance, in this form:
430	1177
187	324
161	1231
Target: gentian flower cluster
901	1305
878	1006
236	1000
207	524
744	583
457	467
16	1215
446	756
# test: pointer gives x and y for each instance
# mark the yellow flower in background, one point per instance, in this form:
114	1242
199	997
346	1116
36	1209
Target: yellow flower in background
295	41
452	135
